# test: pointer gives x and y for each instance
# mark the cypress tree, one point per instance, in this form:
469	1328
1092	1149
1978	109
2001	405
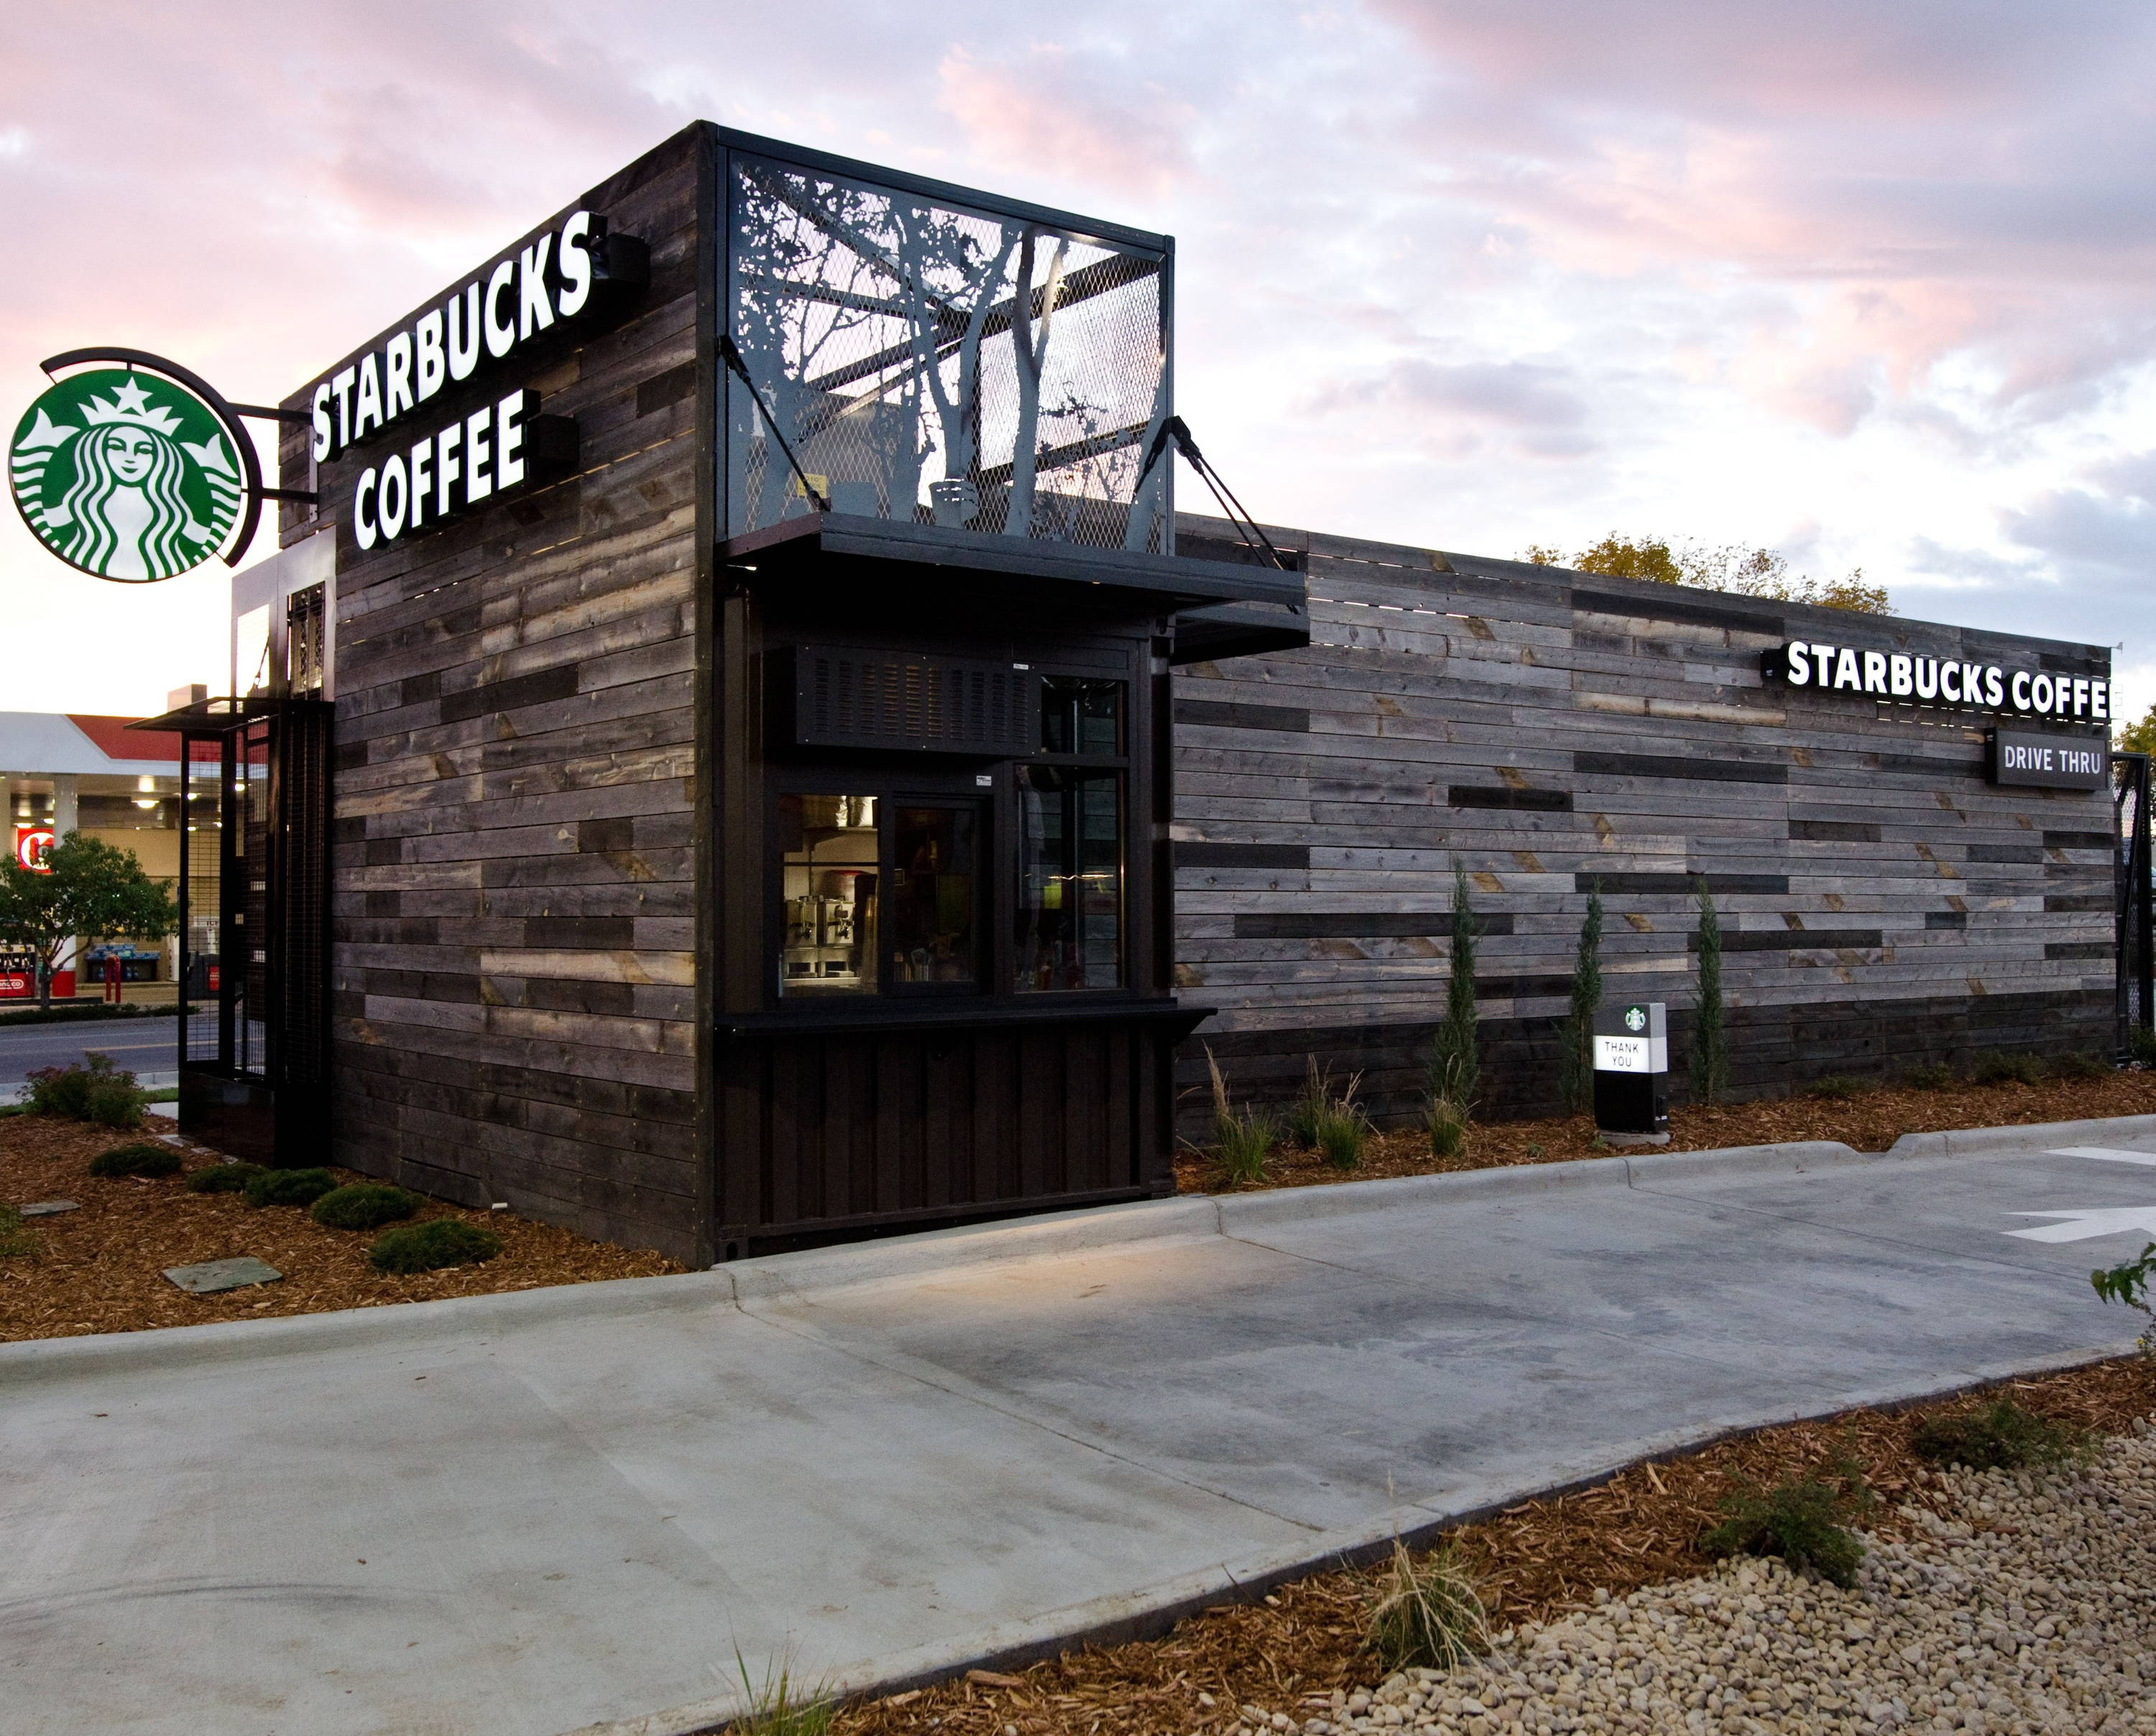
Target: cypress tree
1576	1061
1454	1065
1710	1033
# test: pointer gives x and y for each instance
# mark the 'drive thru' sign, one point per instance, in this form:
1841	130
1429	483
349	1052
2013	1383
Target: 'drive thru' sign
2055	761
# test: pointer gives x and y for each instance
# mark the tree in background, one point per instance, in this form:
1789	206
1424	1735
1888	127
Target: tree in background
1456	1067
2139	737
1710	1032
1733	568
94	891
1576	1062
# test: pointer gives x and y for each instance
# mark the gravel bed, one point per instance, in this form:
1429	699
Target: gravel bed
2020	1602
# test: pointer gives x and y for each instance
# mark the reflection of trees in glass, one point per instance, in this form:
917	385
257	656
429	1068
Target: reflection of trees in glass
926	361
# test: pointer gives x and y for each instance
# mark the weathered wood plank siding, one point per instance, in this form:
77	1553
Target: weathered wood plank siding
514	884
1882	902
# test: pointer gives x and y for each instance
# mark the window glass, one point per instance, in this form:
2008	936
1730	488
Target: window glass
1070	878
1079	716
828	874
935	862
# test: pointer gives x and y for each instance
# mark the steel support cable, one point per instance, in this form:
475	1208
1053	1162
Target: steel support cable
1233	510
730	354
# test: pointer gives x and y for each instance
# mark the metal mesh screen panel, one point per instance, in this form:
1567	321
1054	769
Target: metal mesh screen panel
940	364
2136	945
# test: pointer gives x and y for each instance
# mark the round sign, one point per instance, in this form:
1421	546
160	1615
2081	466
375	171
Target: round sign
126	475
33	844
1635	1018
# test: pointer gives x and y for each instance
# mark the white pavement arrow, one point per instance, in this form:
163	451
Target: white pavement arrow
2106	1154
2108	1220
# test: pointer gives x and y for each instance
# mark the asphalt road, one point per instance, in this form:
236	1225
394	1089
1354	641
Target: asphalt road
518	1516
142	1045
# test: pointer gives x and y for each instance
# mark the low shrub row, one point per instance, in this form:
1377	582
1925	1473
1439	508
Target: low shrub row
91	1089
362	1205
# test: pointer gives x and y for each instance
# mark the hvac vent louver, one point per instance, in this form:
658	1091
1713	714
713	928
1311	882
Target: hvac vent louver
845	697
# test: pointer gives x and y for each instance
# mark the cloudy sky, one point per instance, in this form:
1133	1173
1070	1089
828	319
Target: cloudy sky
1869	282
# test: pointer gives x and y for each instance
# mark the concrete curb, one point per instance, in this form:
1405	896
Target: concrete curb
1972	1142
801	1277
1150	1610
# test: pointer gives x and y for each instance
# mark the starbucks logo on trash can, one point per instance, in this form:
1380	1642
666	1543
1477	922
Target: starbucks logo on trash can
1635	1018
125	475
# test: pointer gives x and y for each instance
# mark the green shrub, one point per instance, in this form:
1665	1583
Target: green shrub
1801	1519
2080	1067
2005	1066
16	1238
1710	1020
427	1248
2000	1436
92	1089
1429	1616
1575	1068
1342	1134
136	1160
1456	1061
1446	1125
223	1178
363	1205
288	1187
1929	1076
2128	1284
2141	1045
1837	1086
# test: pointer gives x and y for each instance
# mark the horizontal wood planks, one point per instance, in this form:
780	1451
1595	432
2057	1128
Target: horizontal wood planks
1554	732
514	844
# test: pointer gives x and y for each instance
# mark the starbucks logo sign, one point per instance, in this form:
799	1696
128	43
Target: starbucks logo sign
127	475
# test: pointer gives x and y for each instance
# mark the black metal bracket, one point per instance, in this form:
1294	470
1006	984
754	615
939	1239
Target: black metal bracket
730	354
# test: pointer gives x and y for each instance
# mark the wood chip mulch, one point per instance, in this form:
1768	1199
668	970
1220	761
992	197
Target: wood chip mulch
1535	1561
1870	1121
101	1268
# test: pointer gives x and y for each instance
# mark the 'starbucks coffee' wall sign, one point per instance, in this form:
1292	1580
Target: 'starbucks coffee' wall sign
128	474
582	276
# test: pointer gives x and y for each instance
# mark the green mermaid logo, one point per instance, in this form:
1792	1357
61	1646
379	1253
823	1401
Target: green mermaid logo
125	475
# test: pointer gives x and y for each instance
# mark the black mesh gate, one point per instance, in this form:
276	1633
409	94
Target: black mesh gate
2136	947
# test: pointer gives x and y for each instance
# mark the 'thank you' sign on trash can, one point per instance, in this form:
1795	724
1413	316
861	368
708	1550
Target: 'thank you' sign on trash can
1632	1069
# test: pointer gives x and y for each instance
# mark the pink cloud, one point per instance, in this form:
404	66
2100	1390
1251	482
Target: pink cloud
1064	116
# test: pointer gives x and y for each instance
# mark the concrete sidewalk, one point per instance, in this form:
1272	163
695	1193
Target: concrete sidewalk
533	1512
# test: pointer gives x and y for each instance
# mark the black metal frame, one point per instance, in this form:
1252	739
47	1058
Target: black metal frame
2133	865
276	1111
727	144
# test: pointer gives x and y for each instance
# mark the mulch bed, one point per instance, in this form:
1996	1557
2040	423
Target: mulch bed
101	1268
1536	1561
1870	1121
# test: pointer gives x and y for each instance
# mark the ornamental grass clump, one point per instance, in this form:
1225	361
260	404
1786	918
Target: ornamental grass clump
778	1705
363	1205
1242	1138
17	1240
1929	1076
1330	1122
1428	1615
288	1187
2080	1066
1802	1519
1836	1088
432	1245
136	1160
223	1178
1445	1123
2001	1436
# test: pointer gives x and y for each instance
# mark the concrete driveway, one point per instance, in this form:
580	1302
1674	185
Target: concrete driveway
532	1514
